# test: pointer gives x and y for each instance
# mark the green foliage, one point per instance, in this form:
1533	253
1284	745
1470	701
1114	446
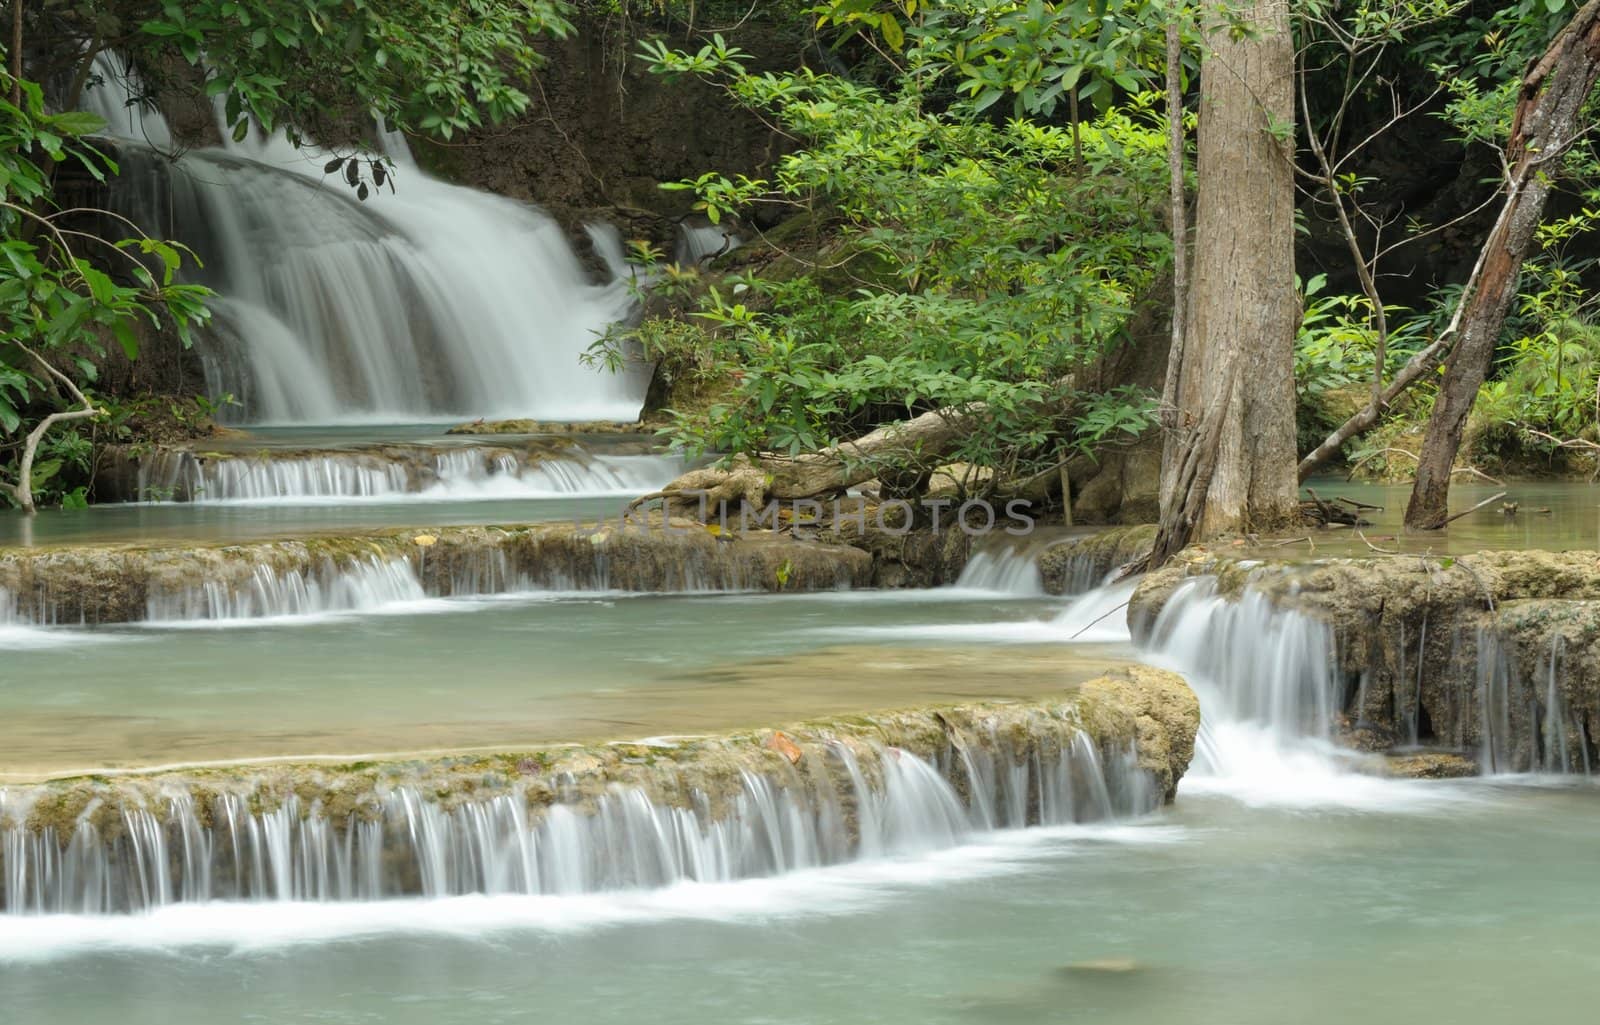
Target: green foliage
1549	384
969	262
65	294
1336	346
435	66
1548	378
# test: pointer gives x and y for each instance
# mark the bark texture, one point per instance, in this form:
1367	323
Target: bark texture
1548	119
1232	445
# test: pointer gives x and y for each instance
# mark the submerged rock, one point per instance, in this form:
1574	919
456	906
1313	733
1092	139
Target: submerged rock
574	819
1430	765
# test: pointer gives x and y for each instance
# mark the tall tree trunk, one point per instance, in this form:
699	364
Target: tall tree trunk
1547	121
1178	204
1233	442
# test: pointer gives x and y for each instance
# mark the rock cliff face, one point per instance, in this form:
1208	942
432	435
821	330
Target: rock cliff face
603	133
577	819
1494	656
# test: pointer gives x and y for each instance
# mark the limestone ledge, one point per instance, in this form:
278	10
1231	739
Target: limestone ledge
141	473
122	583
546	427
1071	567
1492	657
1149	711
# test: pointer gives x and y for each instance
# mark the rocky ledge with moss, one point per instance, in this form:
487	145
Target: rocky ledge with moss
123	583
1117	744
1488	661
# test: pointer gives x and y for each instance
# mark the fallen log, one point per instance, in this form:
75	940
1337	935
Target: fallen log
922	442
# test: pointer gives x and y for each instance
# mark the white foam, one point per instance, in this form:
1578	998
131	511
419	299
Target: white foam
272	925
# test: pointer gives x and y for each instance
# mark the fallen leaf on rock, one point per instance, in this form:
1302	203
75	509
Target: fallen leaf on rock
780	743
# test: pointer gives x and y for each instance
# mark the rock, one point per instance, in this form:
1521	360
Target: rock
1430	765
1497	652
125	583
1105	966
1164	716
1080	564
780	743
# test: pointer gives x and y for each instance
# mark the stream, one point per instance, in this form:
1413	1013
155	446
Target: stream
1284	883
1279	875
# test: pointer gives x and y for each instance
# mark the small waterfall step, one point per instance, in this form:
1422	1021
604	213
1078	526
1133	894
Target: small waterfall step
237	471
122	583
1486	662
1053	561
569	820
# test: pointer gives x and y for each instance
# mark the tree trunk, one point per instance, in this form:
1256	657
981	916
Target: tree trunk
1547	121
1178	207
1233	442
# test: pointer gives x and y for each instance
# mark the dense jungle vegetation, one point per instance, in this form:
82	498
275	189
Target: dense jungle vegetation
971	208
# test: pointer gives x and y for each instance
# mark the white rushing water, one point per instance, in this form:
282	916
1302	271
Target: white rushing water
1260	670
366	585
400	841
698	243
430	302
443	475
1003	569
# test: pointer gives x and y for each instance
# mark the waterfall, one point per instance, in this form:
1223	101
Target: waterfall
1270	684
431	303
1266	677
132	849
1003	569
700	242
365	585
450	474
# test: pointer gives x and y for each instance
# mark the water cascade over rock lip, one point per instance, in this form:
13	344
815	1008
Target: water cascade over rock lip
1049	563
130	583
389	472
431	303
578	820
1485	661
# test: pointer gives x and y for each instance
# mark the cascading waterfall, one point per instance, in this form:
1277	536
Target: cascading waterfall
1556	746
433	302
1266	676
440	474
700	242
1270	685
183	846
365	585
1003	569
1019	567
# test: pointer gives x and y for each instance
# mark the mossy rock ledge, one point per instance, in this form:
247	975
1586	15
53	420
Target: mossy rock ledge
124	583
1120	743
1492	658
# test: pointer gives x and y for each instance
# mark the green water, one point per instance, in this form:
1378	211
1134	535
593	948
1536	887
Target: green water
433	673
183	521
1461	903
1556	515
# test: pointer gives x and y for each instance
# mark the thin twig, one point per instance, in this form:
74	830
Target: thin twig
1467	512
1380	551
1098	619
